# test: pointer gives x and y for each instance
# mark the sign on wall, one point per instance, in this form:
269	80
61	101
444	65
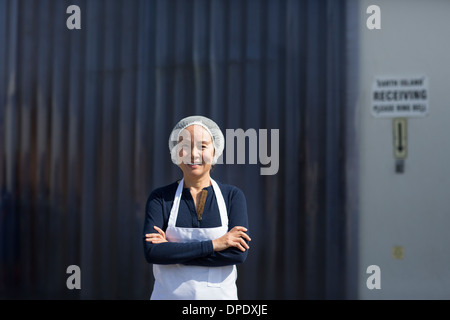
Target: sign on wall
400	96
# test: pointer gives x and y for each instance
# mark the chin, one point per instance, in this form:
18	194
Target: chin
196	172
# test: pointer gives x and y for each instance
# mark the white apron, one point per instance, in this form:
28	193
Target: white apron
182	282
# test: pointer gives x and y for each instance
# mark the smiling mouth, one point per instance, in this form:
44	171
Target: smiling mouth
193	165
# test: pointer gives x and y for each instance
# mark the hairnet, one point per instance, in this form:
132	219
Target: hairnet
210	126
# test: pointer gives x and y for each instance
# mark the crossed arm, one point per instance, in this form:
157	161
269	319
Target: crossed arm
234	238
228	249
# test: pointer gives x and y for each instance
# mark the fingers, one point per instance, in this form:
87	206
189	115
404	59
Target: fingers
241	245
245	244
159	237
159	231
239	238
245	236
239	228
240	231
154	238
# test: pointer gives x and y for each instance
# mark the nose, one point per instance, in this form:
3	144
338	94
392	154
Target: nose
196	155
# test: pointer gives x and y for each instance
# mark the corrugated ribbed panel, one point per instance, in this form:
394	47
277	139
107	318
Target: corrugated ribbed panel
85	116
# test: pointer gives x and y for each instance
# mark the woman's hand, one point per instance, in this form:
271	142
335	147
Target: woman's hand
159	237
234	238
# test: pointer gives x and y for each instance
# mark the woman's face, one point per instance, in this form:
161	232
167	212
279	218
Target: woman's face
195	151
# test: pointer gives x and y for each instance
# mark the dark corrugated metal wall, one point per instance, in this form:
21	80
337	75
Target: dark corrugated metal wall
85	117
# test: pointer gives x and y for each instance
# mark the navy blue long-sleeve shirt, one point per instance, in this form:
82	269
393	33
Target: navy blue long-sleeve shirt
200	253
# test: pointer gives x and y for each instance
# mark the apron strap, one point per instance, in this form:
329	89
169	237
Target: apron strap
220	203
176	204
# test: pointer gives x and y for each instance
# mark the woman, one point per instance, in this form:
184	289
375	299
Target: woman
196	228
